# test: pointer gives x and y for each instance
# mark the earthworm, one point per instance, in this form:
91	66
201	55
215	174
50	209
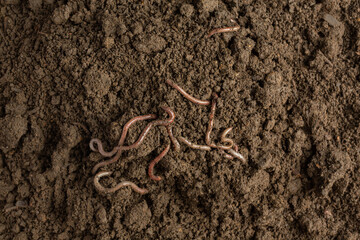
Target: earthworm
193	145
122	138
140	139
234	153
237	155
186	95
129	123
223	30
226	155
173	139
227	140
100	148
107	162
236	147
155	161
100	188
211	121
150	125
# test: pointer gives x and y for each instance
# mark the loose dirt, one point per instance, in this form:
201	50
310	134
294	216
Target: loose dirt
288	82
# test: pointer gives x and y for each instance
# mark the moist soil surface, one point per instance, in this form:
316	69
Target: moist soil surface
288	83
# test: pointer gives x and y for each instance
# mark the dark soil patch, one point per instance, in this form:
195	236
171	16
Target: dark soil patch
289	85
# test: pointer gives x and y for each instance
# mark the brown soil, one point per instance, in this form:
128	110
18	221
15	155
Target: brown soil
288	81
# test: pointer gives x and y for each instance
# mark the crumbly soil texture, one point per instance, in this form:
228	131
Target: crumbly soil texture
288	83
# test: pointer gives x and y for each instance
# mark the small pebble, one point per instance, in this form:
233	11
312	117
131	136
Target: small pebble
109	42
101	216
138	217
41	217
61	14
331	20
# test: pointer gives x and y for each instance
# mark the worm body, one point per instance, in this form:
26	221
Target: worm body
193	145
155	161
100	188
140	139
150	125
236	147
223	30
211	121
237	155
186	95
173	139
132	121
100	148
226	155
133	146
226	140
107	162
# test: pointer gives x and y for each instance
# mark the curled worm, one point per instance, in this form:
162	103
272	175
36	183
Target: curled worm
193	145
155	161
100	188
100	148
211	121
129	123
173	139
226	155
226	140
140	139
237	155
186	95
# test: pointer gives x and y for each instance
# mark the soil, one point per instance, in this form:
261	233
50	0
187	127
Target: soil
288	82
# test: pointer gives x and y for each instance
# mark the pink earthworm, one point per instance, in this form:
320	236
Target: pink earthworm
210	127
122	184
140	139
236	147
193	145
100	148
223	30
237	155
122	138
155	161
186	95
107	162
129	123
150	125
211	121
173	139
226	140
226	155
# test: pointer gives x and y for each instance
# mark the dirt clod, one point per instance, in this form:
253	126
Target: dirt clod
12	129
35	5
61	14
208	5
96	83
101	216
150	44
138	217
